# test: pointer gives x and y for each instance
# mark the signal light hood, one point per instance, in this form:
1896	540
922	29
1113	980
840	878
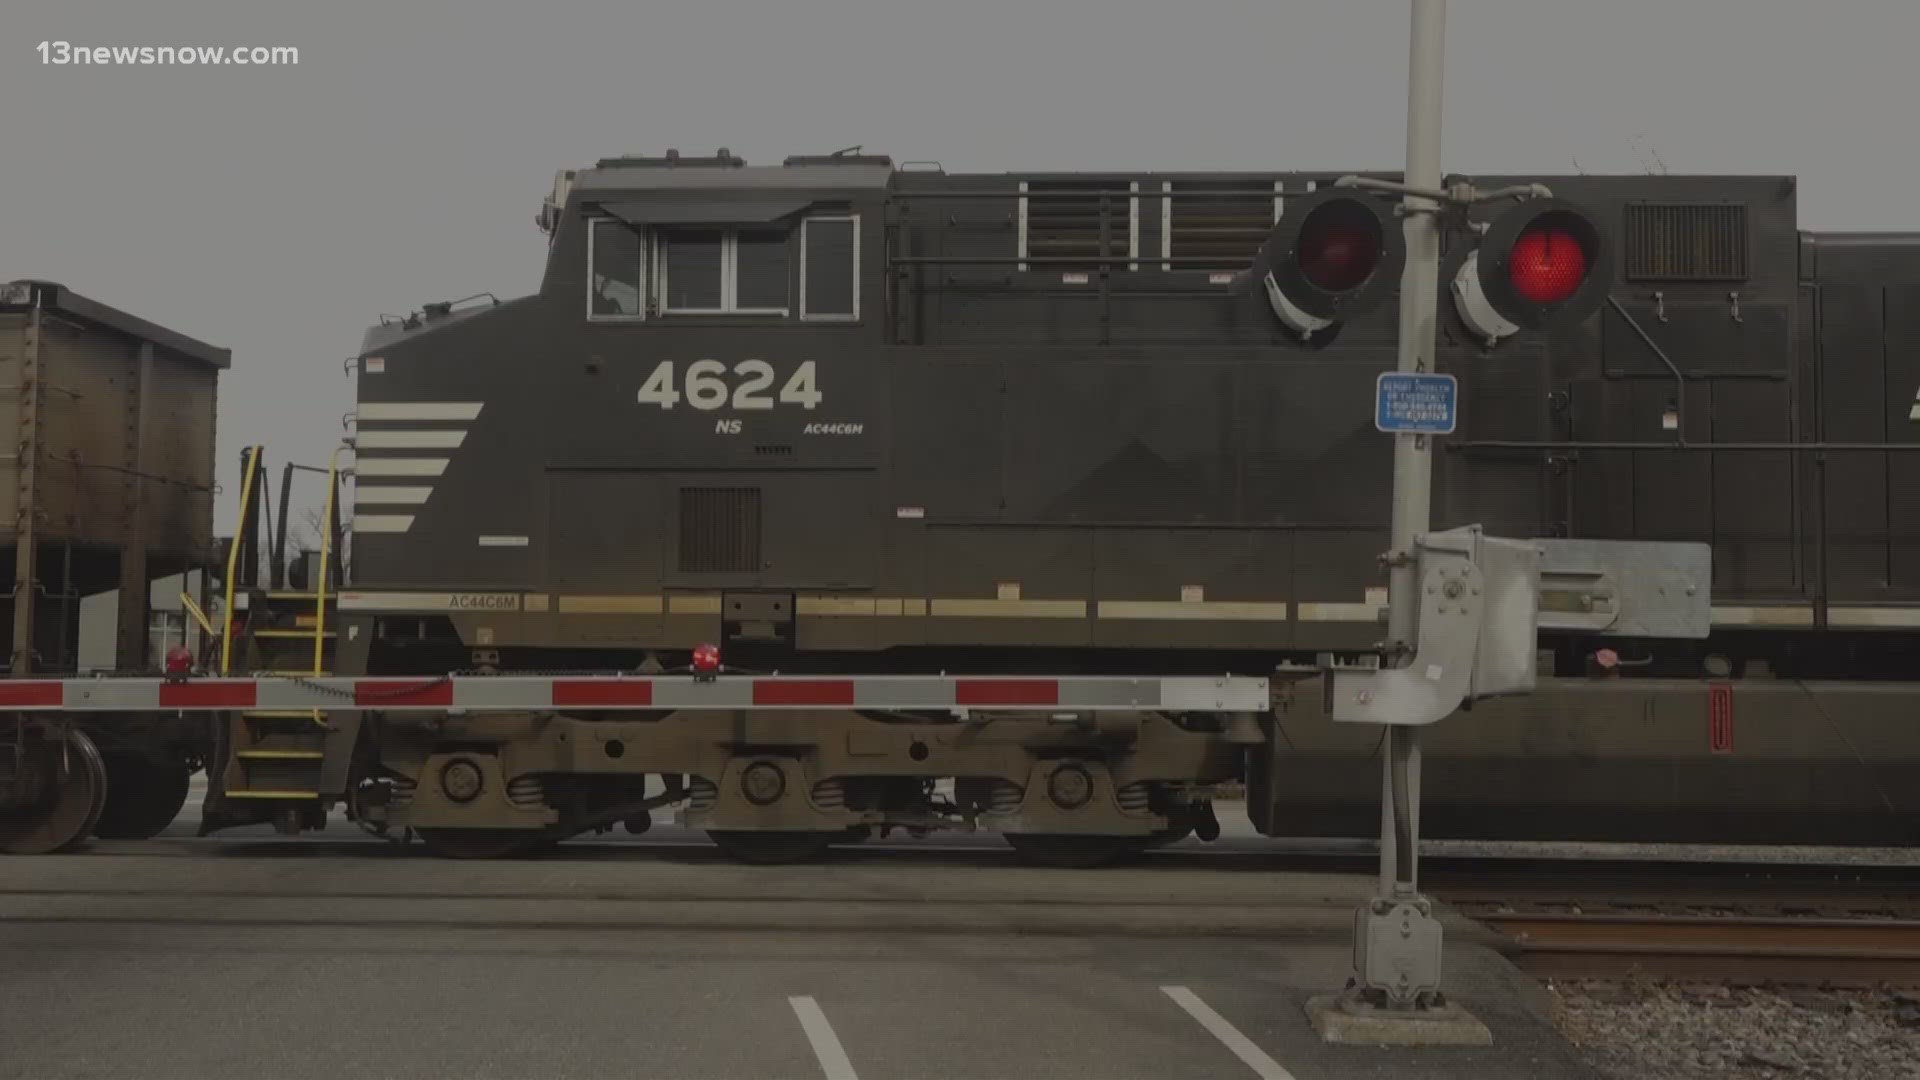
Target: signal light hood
1333	254
1517	280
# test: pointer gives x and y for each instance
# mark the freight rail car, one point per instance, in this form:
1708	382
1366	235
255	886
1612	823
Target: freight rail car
834	420
106	493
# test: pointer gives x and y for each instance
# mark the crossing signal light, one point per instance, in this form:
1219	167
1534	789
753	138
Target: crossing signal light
1333	254
1541	265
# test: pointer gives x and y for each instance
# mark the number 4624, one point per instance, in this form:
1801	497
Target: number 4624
710	385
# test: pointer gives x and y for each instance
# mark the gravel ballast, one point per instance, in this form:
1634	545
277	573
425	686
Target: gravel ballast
1664	1031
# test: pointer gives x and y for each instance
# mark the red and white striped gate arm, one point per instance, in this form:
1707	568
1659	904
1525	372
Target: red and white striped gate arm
588	693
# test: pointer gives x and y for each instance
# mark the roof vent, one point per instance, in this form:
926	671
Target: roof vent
849	156
673	160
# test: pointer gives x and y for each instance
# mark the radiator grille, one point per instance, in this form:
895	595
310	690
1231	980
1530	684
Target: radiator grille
1226	227
1061	226
719	530
1686	242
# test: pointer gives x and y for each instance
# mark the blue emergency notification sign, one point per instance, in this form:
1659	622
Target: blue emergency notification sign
1411	404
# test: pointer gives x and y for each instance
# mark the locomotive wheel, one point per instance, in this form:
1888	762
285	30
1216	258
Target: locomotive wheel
483	843
1075	852
65	791
773	848
144	794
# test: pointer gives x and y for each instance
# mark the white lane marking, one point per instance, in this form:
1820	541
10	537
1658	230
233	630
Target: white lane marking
1243	1048
826	1045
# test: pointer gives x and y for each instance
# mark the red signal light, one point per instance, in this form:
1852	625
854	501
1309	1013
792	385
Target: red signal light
1332	256
706	659
1547	265
1541	265
1338	257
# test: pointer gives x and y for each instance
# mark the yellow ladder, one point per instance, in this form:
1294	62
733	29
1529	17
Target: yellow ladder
277	754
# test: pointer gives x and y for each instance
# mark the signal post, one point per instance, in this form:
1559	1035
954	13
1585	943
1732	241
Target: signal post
1397	940
1464	609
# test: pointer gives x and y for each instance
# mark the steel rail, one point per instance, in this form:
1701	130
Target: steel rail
1824	951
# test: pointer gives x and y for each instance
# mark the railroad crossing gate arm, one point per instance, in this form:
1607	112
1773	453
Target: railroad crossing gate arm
1484	600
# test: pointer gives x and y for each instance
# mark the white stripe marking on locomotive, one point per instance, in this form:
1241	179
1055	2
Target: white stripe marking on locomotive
427	601
418	410
1322	611
610	605
372	495
419	466
1275	611
410	439
1762	615
826	1045
382	523
1853	615
1032	609
1243	1048
504	541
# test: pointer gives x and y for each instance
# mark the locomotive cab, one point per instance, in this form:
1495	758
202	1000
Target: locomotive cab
704	422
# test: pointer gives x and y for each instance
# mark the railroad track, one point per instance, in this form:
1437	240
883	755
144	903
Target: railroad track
1740	949
1733	922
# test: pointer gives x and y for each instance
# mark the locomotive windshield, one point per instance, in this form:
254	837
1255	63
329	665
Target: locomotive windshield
724	271
730	270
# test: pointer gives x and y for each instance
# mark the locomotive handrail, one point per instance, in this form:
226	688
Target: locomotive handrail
193	608
1094	193
1757	447
1679	380
233	557
326	544
1055	260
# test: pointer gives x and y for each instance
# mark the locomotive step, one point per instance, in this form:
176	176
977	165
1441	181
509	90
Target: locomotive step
273	794
280	755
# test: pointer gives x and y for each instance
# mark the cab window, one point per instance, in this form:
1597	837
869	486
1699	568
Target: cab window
830	269
617	277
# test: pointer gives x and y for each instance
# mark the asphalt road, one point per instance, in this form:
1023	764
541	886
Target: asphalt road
935	959
294	957
140	1000
266	957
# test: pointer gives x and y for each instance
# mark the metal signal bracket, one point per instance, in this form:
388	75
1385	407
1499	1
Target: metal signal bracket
1484	601
1457	192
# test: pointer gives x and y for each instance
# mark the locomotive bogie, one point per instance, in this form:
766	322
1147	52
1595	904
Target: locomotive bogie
827	771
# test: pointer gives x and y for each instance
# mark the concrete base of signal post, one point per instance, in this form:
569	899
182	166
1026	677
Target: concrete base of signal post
1346	1019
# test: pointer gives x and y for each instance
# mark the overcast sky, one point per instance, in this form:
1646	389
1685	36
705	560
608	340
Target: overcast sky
278	210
